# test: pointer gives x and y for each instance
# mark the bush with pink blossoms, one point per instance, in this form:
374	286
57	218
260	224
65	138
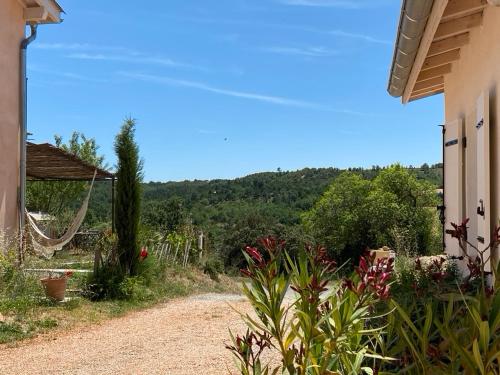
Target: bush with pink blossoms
314	322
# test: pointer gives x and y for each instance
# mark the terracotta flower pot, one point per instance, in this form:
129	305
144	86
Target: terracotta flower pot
55	288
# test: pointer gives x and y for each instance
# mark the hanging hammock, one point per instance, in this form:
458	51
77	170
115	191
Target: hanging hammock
46	246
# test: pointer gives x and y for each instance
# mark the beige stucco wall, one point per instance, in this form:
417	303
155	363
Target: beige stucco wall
11	35
477	70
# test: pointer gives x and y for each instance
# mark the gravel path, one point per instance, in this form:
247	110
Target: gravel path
182	337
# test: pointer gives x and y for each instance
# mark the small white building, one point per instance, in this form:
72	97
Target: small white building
452	47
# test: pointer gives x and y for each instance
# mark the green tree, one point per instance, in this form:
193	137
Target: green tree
416	202
338	220
166	215
355	213
128	197
55	197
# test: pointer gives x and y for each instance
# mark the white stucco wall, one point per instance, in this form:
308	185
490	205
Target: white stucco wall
477	70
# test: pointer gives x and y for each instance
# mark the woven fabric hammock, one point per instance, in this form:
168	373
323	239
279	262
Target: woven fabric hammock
46	246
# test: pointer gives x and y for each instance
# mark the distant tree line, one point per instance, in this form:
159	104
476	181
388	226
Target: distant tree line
234	213
293	205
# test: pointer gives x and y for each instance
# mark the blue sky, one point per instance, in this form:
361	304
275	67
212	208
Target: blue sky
224	88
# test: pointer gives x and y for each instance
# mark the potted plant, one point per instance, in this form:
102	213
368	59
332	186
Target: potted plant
55	285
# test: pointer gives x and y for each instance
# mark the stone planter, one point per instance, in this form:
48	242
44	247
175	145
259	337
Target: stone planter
55	289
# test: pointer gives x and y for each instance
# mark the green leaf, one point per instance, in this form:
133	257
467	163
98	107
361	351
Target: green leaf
427	327
477	356
408	321
484	335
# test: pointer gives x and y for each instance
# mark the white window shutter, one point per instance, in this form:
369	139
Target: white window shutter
453	180
483	173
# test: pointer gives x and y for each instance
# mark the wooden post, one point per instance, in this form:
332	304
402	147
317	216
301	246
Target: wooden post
113	205
97	259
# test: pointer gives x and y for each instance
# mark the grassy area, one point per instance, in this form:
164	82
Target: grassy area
25	312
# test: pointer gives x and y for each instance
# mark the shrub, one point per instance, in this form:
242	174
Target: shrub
19	292
451	329
104	283
135	288
328	327
213	267
420	278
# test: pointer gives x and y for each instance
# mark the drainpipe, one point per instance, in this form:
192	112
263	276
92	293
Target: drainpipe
23	134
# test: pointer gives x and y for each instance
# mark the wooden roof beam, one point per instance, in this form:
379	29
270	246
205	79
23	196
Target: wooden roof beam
428	84
458	26
460	8
435	91
441	59
448	44
427	89
435	72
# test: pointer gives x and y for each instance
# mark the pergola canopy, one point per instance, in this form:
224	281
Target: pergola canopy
50	163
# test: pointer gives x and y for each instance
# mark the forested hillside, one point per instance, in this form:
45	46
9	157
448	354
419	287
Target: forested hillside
282	195
233	213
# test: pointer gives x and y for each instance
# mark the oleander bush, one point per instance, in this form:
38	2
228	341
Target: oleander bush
451	327
417	316
329	326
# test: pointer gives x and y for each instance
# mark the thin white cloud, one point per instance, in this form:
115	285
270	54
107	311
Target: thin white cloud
366	38
304	28
59	46
233	93
307	51
87	51
271	99
345	4
123	58
82	47
63	74
135	59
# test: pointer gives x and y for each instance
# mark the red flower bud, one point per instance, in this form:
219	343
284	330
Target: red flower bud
362	264
254	254
385	276
361	287
143	254
246	272
347	283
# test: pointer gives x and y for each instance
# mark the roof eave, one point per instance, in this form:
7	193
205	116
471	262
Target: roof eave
42	11
412	24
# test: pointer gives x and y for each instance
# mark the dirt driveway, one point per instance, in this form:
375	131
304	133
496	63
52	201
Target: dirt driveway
181	337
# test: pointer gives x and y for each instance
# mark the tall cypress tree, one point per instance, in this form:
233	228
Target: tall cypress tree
128	197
